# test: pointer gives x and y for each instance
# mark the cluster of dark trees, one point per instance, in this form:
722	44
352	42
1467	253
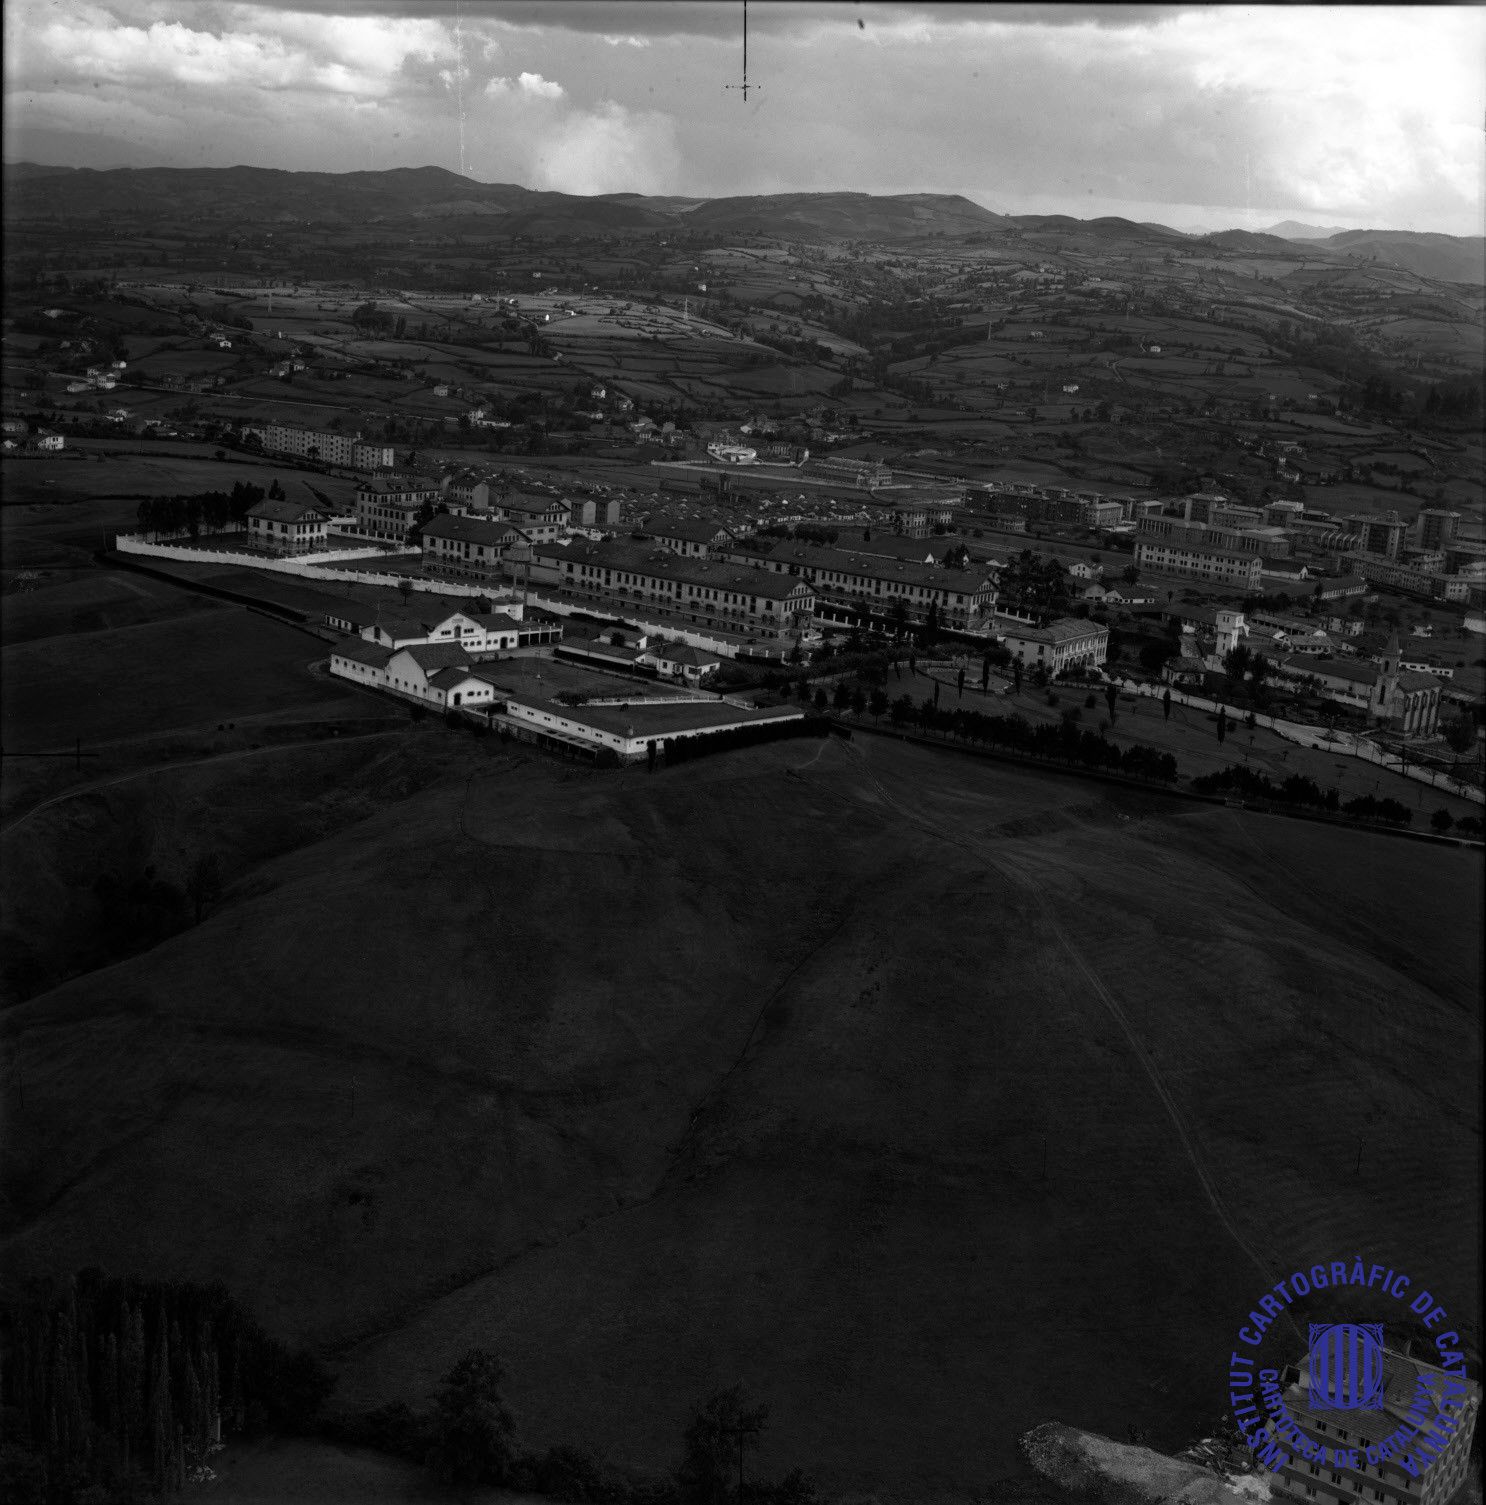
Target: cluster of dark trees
170	516
468	1437
1065	742
118	1390
1249	784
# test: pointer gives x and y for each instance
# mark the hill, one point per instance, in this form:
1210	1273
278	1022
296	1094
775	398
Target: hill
1290	229
859	1073
1450	258
1250	240
850	216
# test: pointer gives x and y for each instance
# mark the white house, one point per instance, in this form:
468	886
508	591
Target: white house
1068	643
286	527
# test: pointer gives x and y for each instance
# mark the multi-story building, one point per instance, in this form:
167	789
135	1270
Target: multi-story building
541	518
1270	543
595	514
1436	527
695	538
368	456
1382	536
1068	643
1198	562
1407	577
313	444
1168	525
473	547
639	577
1342	1460
963	599
387	506
286	527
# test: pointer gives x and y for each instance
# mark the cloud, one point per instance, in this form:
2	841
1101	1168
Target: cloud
539	87
610	150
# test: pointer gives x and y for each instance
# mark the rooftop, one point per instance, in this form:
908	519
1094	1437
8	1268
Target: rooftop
359	651
656	720
431	656
463	529
276	511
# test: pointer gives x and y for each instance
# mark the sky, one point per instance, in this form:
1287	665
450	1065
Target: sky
1204	117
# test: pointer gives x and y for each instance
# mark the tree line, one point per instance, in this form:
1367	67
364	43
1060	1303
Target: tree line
1065	742
214	511
468	1437
116	1391
1297	789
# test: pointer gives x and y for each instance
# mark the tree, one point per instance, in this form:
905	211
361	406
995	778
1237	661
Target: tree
714	1446
405	589
858	701
877	703
1222	723
821	700
1111	697
1166	704
1460	733
474	1436
1441	821
842	697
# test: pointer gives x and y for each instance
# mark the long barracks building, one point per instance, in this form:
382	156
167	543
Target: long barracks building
712	593
322	444
963	599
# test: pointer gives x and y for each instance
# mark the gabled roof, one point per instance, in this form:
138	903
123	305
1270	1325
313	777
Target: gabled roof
396	485
359	651
276	511
494	621
1064	630
432	656
685	654
690	530
406	627
477	530
455	674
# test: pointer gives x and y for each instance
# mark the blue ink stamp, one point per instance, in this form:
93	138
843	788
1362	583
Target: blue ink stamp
1346	1364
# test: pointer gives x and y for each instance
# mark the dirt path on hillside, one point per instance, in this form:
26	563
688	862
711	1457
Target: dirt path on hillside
1019	874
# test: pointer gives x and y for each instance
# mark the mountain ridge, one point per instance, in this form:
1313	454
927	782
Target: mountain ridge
246	193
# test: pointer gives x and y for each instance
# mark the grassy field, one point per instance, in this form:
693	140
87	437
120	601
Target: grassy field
192	669
813	1066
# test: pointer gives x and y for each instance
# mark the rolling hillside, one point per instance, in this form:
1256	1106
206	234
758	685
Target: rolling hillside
798	1066
1450	258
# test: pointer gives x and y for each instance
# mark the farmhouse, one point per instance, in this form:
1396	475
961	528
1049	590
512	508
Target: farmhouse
286	527
468	546
478	633
960	598
633	575
439	673
1068	643
387	506
680	662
